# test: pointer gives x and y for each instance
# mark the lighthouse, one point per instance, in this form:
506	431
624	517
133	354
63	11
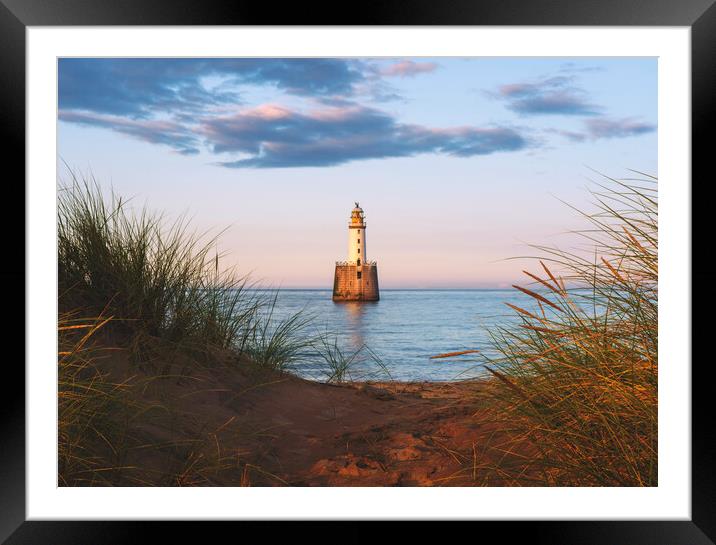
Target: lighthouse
357	278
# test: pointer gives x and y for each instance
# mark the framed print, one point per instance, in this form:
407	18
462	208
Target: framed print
210	336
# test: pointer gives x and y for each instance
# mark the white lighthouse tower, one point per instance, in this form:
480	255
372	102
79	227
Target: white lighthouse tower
357	278
356	237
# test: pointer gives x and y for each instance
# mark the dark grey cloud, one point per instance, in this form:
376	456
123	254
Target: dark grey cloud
176	136
275	137
550	96
141	87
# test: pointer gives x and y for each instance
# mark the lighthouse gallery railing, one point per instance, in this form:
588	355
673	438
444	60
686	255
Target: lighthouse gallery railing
362	263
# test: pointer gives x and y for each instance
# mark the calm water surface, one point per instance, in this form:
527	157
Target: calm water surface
404	329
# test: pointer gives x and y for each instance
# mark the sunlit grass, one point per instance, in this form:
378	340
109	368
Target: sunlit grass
91	407
576	381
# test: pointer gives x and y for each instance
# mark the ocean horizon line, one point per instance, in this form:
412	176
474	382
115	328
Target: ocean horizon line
282	288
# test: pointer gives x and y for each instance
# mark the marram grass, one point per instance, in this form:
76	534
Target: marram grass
575	385
161	282
91	407
132	287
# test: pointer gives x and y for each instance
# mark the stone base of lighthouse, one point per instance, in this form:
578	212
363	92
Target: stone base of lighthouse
356	283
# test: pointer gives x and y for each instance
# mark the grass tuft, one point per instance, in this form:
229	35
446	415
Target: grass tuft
342	365
89	404
576	384
158	280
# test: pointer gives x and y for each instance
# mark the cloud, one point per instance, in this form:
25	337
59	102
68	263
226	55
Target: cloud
139	88
573	136
575	68
193	104
166	133
273	136
302	76
408	68
618	128
603	127
550	96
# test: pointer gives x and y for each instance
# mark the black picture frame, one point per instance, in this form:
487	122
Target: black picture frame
699	15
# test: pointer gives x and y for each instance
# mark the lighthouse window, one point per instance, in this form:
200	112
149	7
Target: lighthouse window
359	274
358	241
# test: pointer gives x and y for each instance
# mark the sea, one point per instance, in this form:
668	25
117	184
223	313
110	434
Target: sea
394	338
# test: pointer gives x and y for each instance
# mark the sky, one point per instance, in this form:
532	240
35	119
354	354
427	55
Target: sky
459	163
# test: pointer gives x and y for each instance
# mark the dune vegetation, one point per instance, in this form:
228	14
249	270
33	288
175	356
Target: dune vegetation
142	303
576	384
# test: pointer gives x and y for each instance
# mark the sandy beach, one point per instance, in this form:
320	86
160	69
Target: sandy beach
229	425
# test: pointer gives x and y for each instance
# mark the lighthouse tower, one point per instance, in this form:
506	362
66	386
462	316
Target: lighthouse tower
357	278
356	237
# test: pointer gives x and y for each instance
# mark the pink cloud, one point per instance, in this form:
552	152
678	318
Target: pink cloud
269	111
408	68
